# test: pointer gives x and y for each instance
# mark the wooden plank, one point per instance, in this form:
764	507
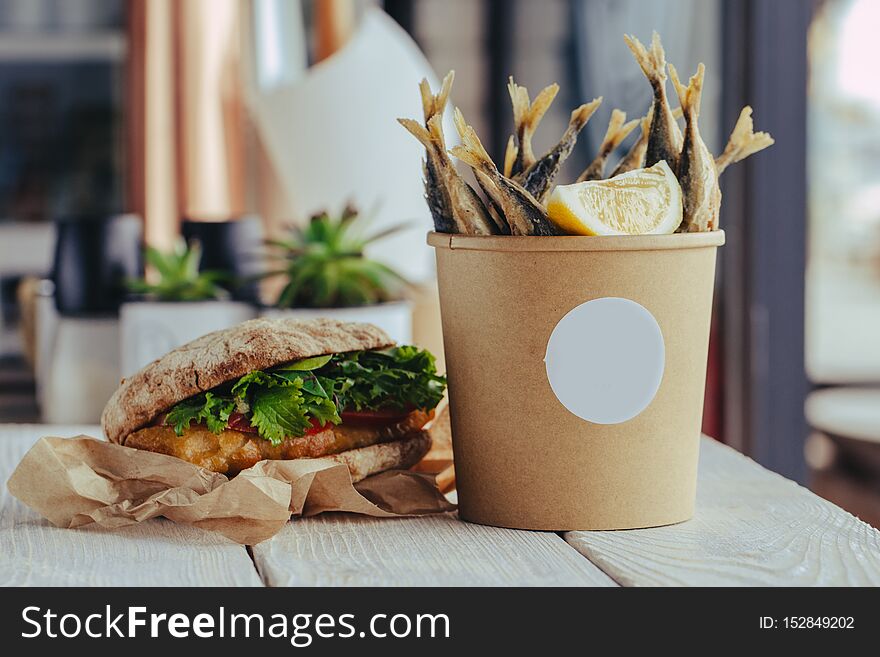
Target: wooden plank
752	528
153	553
347	550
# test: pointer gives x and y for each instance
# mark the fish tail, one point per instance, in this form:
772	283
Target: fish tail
680	89
443	95
581	115
689	96
435	128
435	103
618	118
641	54
743	141
427	99
418	131
658	55
625	131
461	125
695	89
527	114
540	106
510	154
744	125
653	61
471	150
519	100
617	131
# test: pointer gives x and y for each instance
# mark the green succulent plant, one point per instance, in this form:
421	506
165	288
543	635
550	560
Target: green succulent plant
179	278
325	265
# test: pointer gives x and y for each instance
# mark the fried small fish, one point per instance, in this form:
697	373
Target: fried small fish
526	117
436	196
744	141
524	214
538	179
496	210
665	139
467	213
617	131
491	192
701	196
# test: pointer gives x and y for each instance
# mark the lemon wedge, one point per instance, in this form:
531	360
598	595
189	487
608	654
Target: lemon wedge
638	202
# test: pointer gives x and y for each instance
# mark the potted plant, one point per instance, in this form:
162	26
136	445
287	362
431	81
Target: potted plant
327	274
181	304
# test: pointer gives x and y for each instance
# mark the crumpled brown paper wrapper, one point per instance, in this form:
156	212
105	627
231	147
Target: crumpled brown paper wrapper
78	481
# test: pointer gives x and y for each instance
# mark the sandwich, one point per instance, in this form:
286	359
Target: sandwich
282	389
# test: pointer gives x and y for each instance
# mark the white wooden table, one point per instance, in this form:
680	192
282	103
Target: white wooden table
752	527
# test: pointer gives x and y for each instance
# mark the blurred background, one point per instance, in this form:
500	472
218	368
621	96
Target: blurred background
129	123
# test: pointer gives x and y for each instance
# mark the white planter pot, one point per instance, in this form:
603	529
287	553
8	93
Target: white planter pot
81	373
394	318
150	329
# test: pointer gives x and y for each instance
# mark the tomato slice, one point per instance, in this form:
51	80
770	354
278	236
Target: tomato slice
239	422
372	418
317	427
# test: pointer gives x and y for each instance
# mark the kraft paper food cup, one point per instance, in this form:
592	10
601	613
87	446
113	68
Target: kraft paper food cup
577	370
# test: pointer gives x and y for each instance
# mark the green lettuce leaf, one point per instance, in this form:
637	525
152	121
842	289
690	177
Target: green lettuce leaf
258	379
212	410
279	411
400	377
284	402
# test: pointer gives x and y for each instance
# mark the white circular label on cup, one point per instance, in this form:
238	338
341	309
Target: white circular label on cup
605	360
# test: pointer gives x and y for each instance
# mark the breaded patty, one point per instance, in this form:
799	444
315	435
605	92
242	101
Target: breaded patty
229	452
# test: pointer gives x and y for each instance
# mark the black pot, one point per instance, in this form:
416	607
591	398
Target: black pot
94	255
231	246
